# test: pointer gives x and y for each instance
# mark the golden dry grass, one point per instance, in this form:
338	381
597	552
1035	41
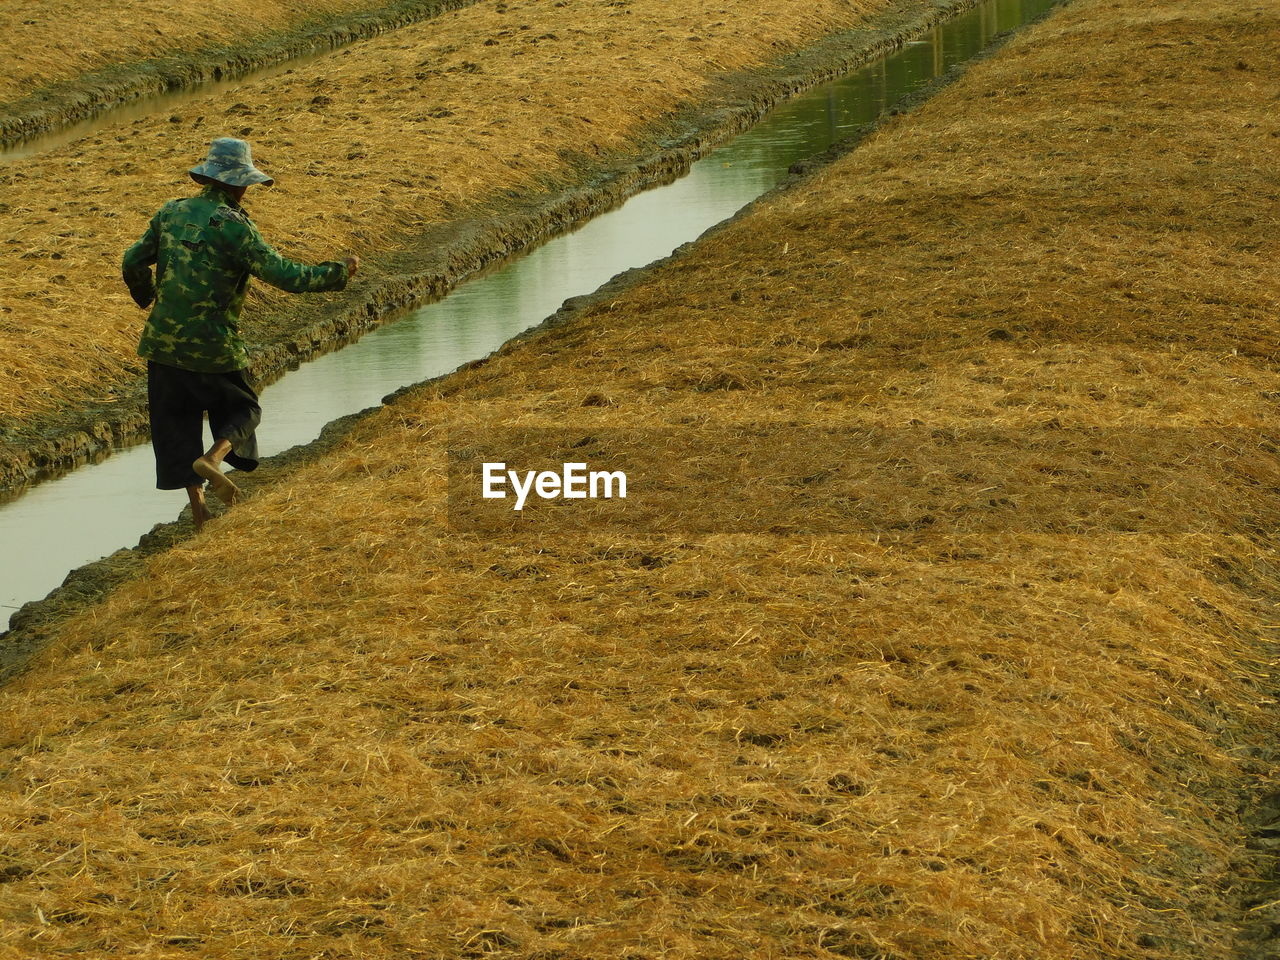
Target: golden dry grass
47	41
368	146
333	726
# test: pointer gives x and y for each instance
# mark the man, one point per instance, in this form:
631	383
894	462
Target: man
204	249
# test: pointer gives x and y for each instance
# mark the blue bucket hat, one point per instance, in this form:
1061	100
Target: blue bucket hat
230	162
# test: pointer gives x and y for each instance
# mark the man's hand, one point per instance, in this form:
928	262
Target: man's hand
353	265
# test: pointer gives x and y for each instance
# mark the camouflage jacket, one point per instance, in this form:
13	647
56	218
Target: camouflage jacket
205	248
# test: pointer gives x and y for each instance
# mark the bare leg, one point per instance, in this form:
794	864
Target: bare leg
209	466
218	452
199	512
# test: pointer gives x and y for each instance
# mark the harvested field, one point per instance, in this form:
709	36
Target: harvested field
47	41
371	148
336	724
61	105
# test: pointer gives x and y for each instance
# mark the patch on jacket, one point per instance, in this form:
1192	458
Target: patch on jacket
228	213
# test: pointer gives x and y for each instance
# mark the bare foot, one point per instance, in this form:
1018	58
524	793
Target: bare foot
222	487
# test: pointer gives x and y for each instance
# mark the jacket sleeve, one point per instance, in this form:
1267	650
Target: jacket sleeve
261	260
137	264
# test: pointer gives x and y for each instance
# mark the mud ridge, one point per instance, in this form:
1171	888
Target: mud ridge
31	626
433	263
70	101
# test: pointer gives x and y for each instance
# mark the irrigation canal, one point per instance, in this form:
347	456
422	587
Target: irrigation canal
63	523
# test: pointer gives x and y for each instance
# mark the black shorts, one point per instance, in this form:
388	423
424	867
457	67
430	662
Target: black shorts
177	401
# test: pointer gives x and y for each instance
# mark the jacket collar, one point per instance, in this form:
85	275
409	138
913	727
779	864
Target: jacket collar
216	191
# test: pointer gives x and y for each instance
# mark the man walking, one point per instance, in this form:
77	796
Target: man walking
204	249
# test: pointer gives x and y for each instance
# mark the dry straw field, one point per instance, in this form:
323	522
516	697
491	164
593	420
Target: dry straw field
369	146
51	41
334	725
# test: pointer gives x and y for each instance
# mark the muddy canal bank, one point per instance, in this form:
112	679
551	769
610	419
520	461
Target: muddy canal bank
428	264
31	627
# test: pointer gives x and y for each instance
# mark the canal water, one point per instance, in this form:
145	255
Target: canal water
63	523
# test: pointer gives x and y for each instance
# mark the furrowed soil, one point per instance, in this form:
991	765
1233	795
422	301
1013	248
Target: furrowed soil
430	151
973	661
